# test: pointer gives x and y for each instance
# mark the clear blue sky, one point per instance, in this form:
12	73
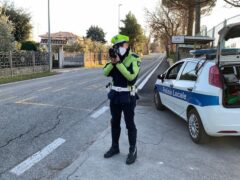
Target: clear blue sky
78	15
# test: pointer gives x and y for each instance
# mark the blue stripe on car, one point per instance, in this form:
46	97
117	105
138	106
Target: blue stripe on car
190	97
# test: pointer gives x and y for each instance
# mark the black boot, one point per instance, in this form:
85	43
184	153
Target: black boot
112	151
132	156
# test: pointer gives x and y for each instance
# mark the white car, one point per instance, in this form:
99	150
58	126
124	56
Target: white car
205	91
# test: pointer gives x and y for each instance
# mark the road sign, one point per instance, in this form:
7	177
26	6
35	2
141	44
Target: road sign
178	39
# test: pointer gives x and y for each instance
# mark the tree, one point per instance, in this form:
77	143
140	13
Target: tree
164	23
30	46
20	20
75	47
90	46
6	37
134	31
190	9
235	3
96	33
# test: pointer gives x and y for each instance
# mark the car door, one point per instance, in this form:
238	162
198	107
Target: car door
228	46
183	87
166	92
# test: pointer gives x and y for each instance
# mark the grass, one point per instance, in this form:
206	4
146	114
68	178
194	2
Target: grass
6	80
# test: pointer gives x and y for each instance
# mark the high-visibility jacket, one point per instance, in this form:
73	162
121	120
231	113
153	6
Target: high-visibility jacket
124	74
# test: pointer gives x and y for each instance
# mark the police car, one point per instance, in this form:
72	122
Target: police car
205	90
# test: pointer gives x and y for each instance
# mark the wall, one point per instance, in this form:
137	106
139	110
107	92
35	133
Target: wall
23	62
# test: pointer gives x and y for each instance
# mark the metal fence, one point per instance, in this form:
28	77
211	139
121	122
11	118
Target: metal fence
23	59
84	59
92	59
73	59
214	31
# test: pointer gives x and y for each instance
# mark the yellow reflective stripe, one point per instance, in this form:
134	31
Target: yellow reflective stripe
107	69
126	73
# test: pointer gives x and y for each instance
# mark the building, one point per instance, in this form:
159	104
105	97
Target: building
59	39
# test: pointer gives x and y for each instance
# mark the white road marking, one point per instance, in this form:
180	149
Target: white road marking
24	100
38	104
143	76
95	79
160	163
193	168
81	83
99	112
8	98
148	77
147	72
44	89
35	158
57	90
24	81
51	105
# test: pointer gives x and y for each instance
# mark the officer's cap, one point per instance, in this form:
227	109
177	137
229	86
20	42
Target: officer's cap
119	39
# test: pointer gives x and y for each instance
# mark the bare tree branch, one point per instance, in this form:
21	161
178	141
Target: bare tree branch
235	3
164	23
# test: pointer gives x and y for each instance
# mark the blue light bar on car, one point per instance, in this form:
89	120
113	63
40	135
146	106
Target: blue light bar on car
202	52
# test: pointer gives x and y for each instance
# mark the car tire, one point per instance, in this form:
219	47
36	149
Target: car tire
195	128
158	102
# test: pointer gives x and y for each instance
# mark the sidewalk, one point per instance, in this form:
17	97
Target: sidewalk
92	165
164	149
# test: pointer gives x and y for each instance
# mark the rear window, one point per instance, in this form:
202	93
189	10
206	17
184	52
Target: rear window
189	72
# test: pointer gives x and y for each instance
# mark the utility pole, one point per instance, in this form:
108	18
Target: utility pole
119	5
49	39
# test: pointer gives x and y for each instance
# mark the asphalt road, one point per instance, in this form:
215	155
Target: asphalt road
35	113
58	118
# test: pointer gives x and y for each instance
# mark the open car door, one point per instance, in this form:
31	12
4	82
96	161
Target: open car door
229	45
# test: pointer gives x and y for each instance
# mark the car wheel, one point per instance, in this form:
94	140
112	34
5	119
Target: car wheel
158	102
195	128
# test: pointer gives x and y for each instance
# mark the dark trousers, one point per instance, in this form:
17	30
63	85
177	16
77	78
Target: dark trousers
128	111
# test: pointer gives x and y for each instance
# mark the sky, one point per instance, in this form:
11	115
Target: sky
77	16
220	12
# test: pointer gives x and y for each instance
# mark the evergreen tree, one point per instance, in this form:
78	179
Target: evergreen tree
96	33
134	31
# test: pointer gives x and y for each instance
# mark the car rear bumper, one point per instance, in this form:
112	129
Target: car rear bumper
220	121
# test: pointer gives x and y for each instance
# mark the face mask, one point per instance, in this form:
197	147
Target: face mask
122	50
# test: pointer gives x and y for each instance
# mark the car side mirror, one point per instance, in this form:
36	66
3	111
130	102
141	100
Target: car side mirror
161	76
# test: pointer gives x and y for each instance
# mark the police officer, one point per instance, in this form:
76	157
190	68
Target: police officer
124	69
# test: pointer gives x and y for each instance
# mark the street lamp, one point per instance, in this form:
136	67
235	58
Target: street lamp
119	5
49	39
